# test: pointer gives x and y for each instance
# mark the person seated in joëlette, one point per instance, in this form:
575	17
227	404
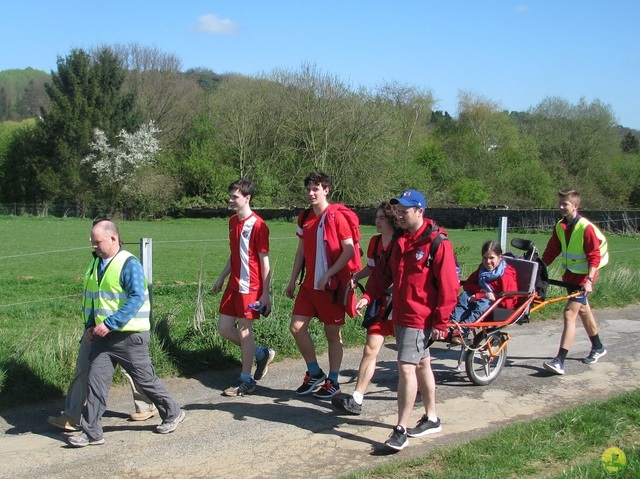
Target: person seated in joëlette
482	288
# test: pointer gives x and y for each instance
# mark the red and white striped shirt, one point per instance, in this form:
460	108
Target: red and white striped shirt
247	238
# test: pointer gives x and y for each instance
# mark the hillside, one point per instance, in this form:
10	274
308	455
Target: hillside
22	93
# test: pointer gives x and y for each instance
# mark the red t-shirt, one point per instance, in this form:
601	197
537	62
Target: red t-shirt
309	233
247	238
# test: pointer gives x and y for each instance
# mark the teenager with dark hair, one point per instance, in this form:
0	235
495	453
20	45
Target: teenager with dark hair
249	275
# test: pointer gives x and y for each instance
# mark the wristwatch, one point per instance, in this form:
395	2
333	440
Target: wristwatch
589	278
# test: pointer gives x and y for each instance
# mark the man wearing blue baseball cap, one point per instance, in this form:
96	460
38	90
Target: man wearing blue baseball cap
424	293
411	198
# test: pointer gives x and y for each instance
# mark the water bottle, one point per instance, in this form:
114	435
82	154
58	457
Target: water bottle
259	307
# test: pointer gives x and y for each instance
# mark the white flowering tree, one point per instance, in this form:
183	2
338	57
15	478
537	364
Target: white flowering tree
116	167
117	164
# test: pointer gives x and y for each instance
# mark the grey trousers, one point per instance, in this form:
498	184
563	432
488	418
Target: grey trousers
131	352
77	391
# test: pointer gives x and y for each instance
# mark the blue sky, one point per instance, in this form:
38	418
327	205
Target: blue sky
514	53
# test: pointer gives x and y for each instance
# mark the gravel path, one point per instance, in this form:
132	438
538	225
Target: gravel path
276	433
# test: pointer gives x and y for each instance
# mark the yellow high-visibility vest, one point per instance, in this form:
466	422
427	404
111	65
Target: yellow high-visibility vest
106	297
574	258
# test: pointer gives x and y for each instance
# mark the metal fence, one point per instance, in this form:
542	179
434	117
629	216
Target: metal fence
612	221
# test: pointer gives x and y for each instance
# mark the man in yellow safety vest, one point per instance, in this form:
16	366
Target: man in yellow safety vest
116	310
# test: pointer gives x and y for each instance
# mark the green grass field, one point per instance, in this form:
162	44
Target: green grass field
568	445
42	261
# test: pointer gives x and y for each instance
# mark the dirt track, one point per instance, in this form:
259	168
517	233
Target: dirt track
275	433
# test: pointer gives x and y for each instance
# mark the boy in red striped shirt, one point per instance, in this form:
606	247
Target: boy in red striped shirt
249	282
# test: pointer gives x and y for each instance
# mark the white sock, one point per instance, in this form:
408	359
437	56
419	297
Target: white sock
357	397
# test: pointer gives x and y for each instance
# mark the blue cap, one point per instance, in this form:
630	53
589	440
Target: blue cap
411	198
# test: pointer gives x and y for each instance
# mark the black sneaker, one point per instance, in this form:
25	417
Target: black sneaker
262	366
328	390
398	439
311	383
424	427
346	403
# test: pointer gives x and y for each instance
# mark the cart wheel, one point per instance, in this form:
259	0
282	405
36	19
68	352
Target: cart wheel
481	367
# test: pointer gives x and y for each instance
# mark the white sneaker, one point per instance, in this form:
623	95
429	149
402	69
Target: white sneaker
556	366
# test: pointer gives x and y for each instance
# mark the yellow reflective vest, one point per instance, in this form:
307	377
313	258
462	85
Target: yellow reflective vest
104	298
574	258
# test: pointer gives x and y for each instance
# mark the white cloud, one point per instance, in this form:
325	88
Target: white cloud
522	8
210	23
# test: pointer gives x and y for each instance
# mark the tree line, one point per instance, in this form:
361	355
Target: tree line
123	130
